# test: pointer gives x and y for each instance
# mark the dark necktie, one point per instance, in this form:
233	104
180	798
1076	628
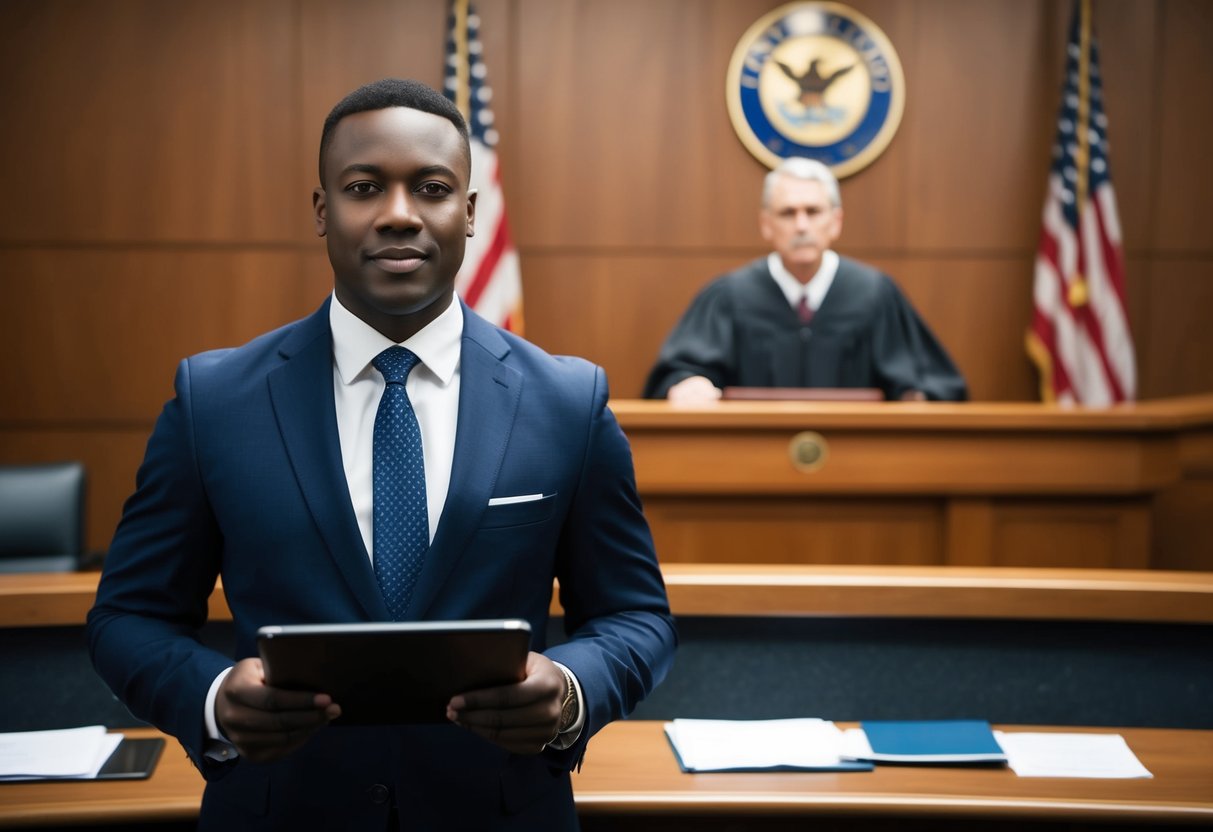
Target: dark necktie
804	310
401	532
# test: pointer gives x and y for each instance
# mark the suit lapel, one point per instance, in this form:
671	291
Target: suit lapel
489	391
301	390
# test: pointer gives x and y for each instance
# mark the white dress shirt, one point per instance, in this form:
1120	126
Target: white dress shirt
815	290
433	389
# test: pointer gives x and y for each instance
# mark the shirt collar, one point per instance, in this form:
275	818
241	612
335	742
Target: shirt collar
356	343
817	286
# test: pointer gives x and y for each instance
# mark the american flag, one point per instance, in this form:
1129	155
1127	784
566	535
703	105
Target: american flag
1080	338
489	281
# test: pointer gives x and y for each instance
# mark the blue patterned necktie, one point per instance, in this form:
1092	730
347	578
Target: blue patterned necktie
401	532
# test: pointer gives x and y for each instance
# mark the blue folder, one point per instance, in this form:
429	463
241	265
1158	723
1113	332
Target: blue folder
933	741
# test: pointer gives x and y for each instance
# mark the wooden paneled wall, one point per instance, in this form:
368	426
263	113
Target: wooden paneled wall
158	160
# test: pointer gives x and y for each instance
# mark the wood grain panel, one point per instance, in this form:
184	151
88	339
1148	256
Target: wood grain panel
1179	359
145	120
1072	534
957	299
111	456
796	530
1139	299
1127	32
380	39
980	132
858	462
969	530
1182	535
613	310
109	326
625	131
1185	166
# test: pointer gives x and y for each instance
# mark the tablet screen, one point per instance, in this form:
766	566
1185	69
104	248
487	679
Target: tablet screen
395	673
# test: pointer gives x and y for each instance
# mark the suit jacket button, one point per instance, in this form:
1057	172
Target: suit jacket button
379	793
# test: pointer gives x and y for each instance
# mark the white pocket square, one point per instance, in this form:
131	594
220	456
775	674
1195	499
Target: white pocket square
522	498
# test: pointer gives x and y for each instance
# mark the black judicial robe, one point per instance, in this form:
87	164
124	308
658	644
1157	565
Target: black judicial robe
740	331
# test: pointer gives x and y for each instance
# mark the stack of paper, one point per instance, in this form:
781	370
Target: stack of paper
759	745
1071	755
73	753
949	741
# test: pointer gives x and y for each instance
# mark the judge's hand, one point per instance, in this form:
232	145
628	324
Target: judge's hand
267	723
913	396
522	718
694	390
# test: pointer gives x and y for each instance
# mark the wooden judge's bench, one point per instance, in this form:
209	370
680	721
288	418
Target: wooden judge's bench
972	484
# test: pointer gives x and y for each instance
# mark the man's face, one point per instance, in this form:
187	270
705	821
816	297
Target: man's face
395	213
800	224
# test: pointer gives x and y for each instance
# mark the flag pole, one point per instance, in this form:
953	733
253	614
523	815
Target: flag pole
463	88
1077	293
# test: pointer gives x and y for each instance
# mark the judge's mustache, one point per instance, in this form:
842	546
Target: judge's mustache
805	241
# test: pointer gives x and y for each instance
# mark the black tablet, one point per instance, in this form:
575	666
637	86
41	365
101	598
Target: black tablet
392	674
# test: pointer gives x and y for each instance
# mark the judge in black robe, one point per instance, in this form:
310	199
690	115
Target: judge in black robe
741	332
802	317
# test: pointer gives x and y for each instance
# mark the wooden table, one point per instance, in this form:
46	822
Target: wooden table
630	770
172	793
630	773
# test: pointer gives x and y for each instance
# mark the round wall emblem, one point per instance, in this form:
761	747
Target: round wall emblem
817	80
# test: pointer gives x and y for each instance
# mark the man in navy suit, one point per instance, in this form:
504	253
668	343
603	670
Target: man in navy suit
260	470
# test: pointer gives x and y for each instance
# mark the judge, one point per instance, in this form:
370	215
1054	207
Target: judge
802	316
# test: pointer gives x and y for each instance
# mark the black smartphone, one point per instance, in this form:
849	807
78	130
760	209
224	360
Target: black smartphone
134	759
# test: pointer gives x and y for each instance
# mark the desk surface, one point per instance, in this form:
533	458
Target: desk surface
630	769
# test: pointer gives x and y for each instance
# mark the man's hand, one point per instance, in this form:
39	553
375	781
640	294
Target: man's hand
265	723
694	390
521	718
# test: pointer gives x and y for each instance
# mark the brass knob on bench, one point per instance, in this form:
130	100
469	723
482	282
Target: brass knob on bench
808	451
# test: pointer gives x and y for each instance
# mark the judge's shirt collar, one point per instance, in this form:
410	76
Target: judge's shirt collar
817	286
356	343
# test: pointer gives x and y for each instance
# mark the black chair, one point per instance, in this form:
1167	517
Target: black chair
42	517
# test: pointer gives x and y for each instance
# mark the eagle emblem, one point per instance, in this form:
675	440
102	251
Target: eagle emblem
819	80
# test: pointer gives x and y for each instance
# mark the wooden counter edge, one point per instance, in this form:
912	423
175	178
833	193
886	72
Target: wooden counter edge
989	808
1155	416
174	792
63	599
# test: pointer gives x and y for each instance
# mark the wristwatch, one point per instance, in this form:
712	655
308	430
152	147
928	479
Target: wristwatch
569	708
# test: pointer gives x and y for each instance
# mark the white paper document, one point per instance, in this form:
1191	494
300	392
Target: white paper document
1070	755
69	753
733	745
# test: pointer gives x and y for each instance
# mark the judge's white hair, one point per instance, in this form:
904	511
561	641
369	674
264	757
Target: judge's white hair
798	167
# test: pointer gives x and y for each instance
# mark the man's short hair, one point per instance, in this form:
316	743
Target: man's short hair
392	92
798	167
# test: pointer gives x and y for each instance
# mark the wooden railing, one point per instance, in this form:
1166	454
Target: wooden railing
43	600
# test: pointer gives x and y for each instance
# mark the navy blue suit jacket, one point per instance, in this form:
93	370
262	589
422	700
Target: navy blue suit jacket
243	478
